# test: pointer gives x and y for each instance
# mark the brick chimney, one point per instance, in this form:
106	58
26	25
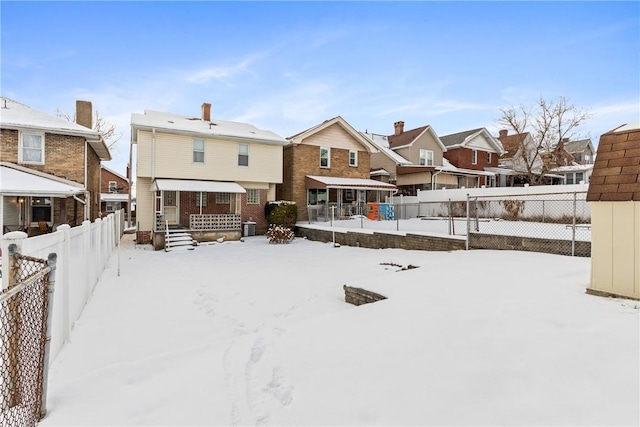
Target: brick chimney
206	112
503	133
84	114
398	128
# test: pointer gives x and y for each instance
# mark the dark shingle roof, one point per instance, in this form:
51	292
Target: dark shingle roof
511	144
457	138
576	146
616	172
405	138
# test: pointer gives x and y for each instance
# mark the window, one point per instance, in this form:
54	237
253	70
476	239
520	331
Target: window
353	158
113	187
325	157
579	177
253	196
198	151
488	158
569	179
316	196
40	209
113	206
223	198
426	157
474	157
201	199
32	148
243	155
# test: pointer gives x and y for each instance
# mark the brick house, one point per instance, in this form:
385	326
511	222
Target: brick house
114	191
475	152
573	160
50	168
329	165
204	175
614	196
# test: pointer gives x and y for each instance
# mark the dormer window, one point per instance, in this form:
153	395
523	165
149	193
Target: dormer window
31	148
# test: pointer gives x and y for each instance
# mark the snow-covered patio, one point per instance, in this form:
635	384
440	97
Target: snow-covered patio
247	333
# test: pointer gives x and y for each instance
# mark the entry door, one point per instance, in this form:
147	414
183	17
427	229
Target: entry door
171	207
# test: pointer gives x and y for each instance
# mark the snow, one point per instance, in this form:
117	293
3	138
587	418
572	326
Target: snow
248	333
19	181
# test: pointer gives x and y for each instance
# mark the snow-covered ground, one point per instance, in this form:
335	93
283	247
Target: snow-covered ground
247	333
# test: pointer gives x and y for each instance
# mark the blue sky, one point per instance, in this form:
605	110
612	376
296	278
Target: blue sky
287	66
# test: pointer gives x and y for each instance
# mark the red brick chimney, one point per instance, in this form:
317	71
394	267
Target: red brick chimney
503	133
84	114
398	128
206	112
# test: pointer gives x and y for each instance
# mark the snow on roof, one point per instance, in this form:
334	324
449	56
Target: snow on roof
18	181
114	197
629	126
448	167
382	143
14	115
331	181
572	168
193	185
195	125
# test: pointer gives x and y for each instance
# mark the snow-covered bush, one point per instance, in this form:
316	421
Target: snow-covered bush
282	212
279	234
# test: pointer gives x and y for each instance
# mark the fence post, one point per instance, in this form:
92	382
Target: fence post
451	224
468	222
52	261
11	242
65	258
117	239
87	264
573	233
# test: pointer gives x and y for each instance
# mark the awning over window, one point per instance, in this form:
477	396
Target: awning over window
347	183
114	197
192	185
18	181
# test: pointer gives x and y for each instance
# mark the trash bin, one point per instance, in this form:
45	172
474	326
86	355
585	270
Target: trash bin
248	228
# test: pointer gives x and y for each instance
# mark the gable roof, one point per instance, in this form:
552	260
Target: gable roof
461	139
364	141
17	116
176	123
577	146
407	138
114	172
511	144
616	172
382	143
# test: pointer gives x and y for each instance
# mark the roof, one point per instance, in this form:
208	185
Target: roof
511	144
572	168
339	182
366	142
577	146
382	143
461	139
193	185
215	128
616	172
19	181
114	172
114	197
14	115
448	167
408	137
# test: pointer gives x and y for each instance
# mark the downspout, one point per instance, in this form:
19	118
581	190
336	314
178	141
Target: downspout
86	205
153	154
433	177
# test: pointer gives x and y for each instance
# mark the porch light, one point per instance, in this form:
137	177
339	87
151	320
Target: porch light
19	199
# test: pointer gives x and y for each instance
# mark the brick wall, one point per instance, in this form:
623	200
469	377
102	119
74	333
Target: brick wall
382	240
359	296
461	158
106	176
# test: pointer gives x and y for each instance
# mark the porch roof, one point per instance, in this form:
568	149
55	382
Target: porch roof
313	181
19	181
114	197
193	185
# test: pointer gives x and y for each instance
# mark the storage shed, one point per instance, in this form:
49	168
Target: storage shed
614	193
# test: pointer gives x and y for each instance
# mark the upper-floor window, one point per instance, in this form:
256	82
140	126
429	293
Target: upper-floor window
474	157
488	157
198	151
253	196
243	155
426	157
113	187
325	157
353	158
31	148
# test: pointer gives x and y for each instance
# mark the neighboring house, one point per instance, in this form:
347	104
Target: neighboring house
329	165
114	191
582	150
50	168
573	159
614	196
475	151
202	174
385	162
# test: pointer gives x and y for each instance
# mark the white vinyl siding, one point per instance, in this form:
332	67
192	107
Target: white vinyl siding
31	148
335	137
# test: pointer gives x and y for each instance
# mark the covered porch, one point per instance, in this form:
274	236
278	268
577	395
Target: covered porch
346	197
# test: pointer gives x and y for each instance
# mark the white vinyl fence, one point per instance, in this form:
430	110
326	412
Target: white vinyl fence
83	253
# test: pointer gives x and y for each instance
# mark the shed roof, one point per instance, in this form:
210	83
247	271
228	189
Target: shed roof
19	181
616	172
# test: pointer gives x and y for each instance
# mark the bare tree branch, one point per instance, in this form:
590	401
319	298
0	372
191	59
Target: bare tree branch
100	125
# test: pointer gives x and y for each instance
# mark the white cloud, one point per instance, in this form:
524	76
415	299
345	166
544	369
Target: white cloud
225	72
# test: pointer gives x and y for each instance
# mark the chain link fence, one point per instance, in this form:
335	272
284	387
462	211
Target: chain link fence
24	325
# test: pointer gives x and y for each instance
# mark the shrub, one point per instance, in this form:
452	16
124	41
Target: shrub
281	213
279	234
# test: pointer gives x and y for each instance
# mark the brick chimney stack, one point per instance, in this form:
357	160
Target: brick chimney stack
206	112
84	114
398	128
503	133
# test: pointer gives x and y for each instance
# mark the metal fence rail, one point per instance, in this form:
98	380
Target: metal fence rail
24	337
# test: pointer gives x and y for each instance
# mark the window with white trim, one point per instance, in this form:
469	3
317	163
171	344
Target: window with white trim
426	157
474	157
488	157
198	151
353	158
113	186
325	157
201	199
223	198
31	148
253	196
243	155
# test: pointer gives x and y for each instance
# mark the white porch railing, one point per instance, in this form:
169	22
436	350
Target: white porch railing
210	222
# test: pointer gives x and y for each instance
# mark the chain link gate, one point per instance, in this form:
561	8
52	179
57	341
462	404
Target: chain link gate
25	325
